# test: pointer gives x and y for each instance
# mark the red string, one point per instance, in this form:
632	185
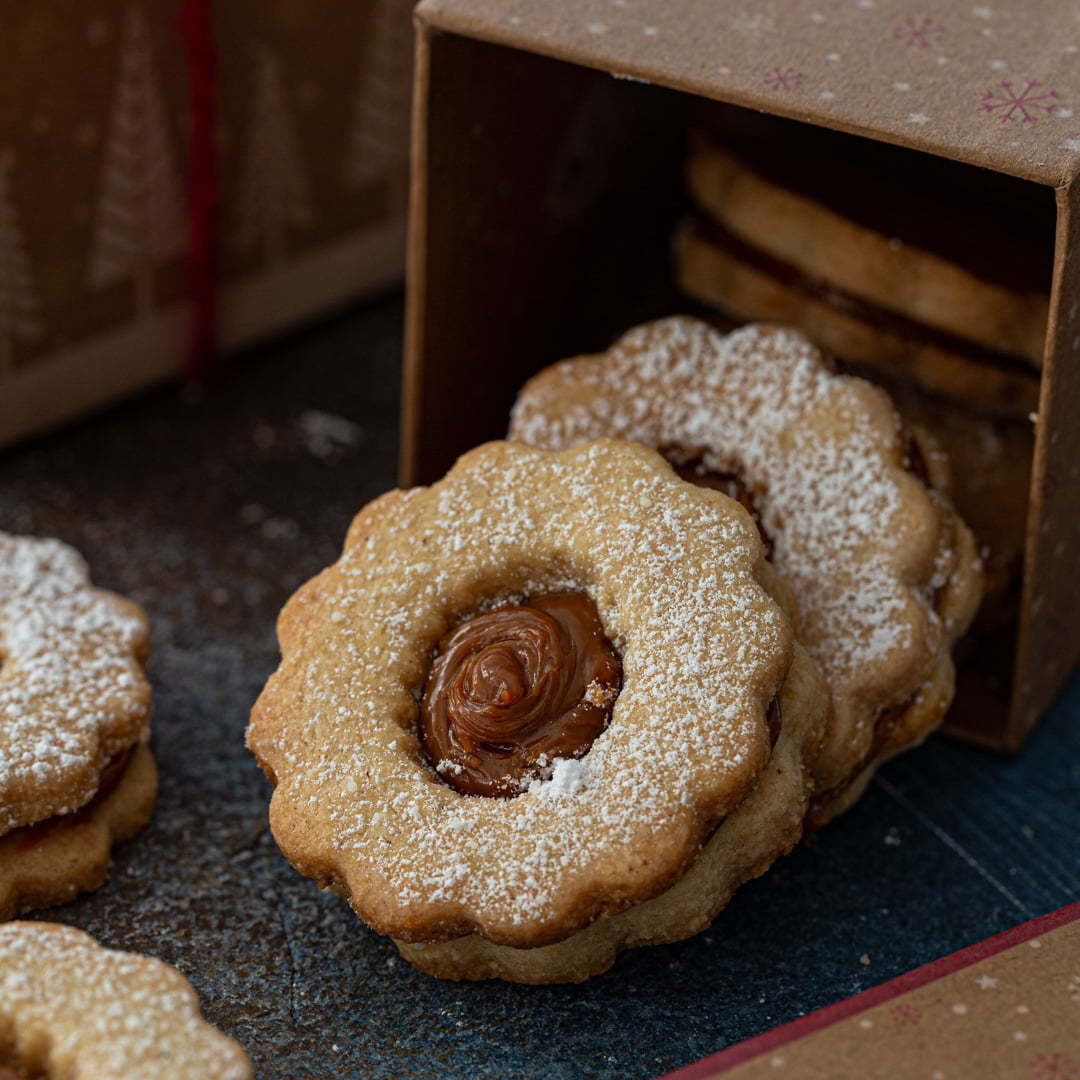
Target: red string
197	28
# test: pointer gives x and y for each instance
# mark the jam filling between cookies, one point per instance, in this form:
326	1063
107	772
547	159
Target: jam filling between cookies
515	689
29	836
732	485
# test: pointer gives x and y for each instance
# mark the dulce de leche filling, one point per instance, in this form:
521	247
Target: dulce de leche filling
515	689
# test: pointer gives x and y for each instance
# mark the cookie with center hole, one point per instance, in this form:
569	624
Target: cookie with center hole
849	504
545	709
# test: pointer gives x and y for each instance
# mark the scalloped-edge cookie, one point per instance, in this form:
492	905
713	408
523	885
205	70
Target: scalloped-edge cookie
69	1007
75	773
679	583
885	574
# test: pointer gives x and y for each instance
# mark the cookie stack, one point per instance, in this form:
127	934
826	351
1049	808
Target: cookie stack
567	699
76	773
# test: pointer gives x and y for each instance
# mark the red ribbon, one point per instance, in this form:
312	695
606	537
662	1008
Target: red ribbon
197	29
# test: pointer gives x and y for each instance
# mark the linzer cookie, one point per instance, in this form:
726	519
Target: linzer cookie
69	1007
76	775
835	235
545	709
885	574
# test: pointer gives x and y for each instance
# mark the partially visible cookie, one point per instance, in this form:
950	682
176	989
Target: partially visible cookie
54	860
885	573
69	1007
731	279
765	826
76	775
989	476
837	235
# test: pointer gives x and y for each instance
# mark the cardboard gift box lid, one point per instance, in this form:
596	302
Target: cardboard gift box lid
505	258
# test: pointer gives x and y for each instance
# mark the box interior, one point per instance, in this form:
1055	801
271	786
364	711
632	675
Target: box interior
546	201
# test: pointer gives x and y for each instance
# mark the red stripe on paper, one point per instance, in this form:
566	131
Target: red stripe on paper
741	1052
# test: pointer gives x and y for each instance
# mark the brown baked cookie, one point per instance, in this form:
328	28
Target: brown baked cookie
76	775
522	702
837	244
885	574
989	473
69	1007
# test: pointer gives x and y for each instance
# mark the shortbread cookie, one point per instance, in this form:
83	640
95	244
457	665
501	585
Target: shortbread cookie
885	574
831	233
75	773
605	627
69	1007
726	275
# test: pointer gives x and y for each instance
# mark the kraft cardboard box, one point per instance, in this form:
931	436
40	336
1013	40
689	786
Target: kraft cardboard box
306	112
549	151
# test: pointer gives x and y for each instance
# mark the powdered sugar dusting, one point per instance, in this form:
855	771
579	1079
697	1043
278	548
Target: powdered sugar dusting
72	692
106	1013
703	647
760	403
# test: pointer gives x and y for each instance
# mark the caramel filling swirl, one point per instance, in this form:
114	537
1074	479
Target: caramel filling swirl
514	689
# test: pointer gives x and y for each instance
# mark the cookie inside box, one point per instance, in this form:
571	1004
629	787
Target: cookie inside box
926	276
599	202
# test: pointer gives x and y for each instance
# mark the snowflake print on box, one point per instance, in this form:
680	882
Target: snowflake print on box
1054	1067
906	1014
783	78
18	304
140	222
1010	102
918	31
379	139
273	188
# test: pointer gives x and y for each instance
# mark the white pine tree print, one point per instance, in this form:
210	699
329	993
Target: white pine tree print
274	193
140	221
18	304
379	139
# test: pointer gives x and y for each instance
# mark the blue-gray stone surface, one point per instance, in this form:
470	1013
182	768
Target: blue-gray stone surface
209	509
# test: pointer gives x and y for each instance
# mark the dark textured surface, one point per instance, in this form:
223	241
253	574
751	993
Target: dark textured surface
209	511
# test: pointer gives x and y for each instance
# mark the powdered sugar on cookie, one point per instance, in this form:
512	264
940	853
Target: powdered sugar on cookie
861	541
704	649
105	1014
72	691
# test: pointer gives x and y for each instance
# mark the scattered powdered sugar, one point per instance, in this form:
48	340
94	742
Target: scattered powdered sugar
326	435
72	692
703	647
106	1013
760	403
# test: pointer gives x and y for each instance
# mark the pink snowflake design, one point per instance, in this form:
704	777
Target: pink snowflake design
1010	102
1054	1067
783	78
907	1015
918	31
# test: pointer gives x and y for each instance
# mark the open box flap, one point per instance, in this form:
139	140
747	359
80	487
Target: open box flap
994	86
